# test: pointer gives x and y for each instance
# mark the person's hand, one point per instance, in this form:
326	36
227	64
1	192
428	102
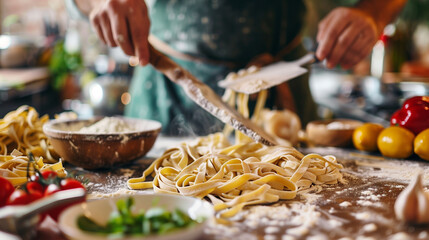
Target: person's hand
345	37
123	23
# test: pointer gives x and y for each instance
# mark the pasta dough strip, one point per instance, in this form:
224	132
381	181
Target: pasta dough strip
233	177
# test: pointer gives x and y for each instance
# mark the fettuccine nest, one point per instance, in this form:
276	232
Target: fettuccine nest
233	176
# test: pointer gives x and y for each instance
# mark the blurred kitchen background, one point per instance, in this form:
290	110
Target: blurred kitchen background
55	64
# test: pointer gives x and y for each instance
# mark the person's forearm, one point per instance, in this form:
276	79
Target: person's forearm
383	11
86	6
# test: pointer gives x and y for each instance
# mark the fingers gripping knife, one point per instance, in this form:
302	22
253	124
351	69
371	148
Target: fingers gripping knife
205	97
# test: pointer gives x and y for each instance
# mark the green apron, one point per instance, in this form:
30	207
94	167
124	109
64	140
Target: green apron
220	30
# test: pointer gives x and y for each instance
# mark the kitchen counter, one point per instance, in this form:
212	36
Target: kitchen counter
361	207
28	86
364	98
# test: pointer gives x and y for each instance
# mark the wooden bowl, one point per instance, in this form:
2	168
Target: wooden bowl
332	133
100	150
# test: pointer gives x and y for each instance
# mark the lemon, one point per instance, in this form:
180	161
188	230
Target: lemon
395	142
365	136
421	144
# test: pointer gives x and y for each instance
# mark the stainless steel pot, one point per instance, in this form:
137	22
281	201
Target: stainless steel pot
364	98
20	51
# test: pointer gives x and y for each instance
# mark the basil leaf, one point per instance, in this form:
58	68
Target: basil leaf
89	225
157	213
123	222
180	218
146	226
166	227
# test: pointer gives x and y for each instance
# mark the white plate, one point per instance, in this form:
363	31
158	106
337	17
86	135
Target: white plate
99	211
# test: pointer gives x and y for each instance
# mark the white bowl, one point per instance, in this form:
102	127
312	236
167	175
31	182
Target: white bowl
99	211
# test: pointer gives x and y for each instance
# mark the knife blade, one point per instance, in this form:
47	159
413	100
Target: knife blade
268	76
205	97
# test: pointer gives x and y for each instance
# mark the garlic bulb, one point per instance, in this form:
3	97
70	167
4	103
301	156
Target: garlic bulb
412	204
284	125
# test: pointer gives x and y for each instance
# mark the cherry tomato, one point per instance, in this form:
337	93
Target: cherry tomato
36	191
65	184
49	174
34	187
70	183
33	196
6	189
51	189
19	197
34	178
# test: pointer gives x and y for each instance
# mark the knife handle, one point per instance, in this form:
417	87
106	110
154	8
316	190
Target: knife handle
165	65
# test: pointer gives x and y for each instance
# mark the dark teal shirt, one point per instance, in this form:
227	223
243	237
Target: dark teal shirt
223	30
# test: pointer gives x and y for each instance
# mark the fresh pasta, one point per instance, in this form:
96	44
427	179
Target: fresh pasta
21	133
22	130
14	167
233	176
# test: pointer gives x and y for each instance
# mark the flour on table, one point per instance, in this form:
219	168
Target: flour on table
317	238
345	204
400	236
270	230
363	216
270	237
365	203
287	237
371	227
365	238
423	235
109	125
119	192
290	221
400	171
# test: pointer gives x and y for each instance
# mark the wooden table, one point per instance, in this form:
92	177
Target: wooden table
360	208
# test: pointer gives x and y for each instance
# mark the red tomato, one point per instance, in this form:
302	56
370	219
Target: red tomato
66	184
55	212
34	178
6	189
34	187
35	190
19	197
49	174
33	196
51	189
70	183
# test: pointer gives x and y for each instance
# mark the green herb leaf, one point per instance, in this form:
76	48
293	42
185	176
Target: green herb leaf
123	222
180	218
87	224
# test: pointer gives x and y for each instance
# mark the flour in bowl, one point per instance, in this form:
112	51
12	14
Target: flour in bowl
109	125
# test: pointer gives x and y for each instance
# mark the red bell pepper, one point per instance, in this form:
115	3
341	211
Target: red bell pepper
414	114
